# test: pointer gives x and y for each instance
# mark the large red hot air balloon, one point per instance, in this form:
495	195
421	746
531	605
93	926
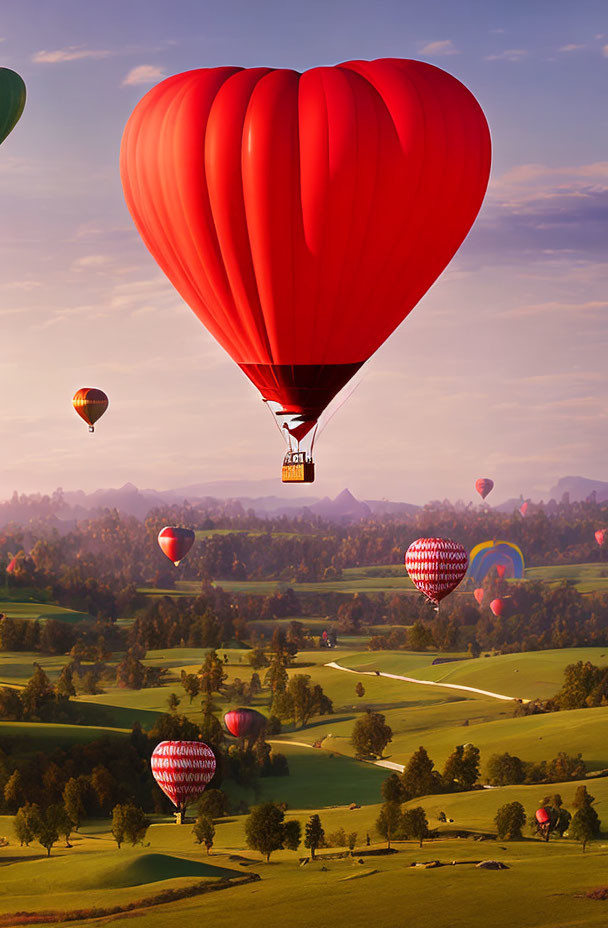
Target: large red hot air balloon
600	535
244	723
436	566
303	216
90	404
483	486
478	594
182	769
498	607
175	542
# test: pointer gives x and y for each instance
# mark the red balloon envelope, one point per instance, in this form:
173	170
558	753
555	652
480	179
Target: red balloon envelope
303	216
478	594
243	723
501	570
498	607
175	542
600	535
542	816
523	508
182	769
483	486
436	566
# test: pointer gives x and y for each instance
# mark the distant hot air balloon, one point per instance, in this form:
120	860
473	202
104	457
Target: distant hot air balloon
303	216
498	554
12	101
436	566
12	564
542	816
498	607
90	404
484	486
479	594
600	536
244	723
500	570
175	542
182	769
523	508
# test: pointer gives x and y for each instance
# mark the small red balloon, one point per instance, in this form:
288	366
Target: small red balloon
243	723
497	606
523	508
484	486
175	542
500	570
542	816
600	535
478	594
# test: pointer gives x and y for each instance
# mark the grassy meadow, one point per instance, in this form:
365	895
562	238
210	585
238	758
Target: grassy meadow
543	887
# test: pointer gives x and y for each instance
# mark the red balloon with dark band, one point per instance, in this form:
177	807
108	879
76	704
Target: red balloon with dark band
498	607
436	566
90	404
175	542
484	486
244	723
303	216
182	769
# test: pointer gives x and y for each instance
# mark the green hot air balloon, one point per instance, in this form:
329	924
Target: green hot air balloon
12	101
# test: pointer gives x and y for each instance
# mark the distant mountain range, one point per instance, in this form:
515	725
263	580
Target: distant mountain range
579	489
264	497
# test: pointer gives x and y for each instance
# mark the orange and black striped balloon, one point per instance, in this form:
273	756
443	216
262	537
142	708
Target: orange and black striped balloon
90	404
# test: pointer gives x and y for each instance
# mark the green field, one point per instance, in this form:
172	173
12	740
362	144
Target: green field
389	578
544	886
42	612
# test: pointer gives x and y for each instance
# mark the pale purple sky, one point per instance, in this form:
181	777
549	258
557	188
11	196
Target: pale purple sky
501	369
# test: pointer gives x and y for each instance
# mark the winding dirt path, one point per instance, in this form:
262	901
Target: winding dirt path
450	686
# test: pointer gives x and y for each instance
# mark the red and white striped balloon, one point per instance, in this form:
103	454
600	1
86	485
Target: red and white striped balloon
436	566
182	769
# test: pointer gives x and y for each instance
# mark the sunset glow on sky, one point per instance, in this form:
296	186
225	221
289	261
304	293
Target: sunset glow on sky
499	371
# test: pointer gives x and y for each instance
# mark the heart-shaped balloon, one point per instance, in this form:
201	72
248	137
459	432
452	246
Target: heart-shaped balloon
303	216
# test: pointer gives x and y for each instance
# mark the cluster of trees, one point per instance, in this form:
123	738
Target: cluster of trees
584	686
507	769
583	826
58	820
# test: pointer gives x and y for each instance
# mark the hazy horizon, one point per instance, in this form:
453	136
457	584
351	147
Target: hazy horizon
500	371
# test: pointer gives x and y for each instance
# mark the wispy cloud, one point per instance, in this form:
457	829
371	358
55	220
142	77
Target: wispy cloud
440	47
509	54
71	53
90	262
143	74
605	51
571	48
541	212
